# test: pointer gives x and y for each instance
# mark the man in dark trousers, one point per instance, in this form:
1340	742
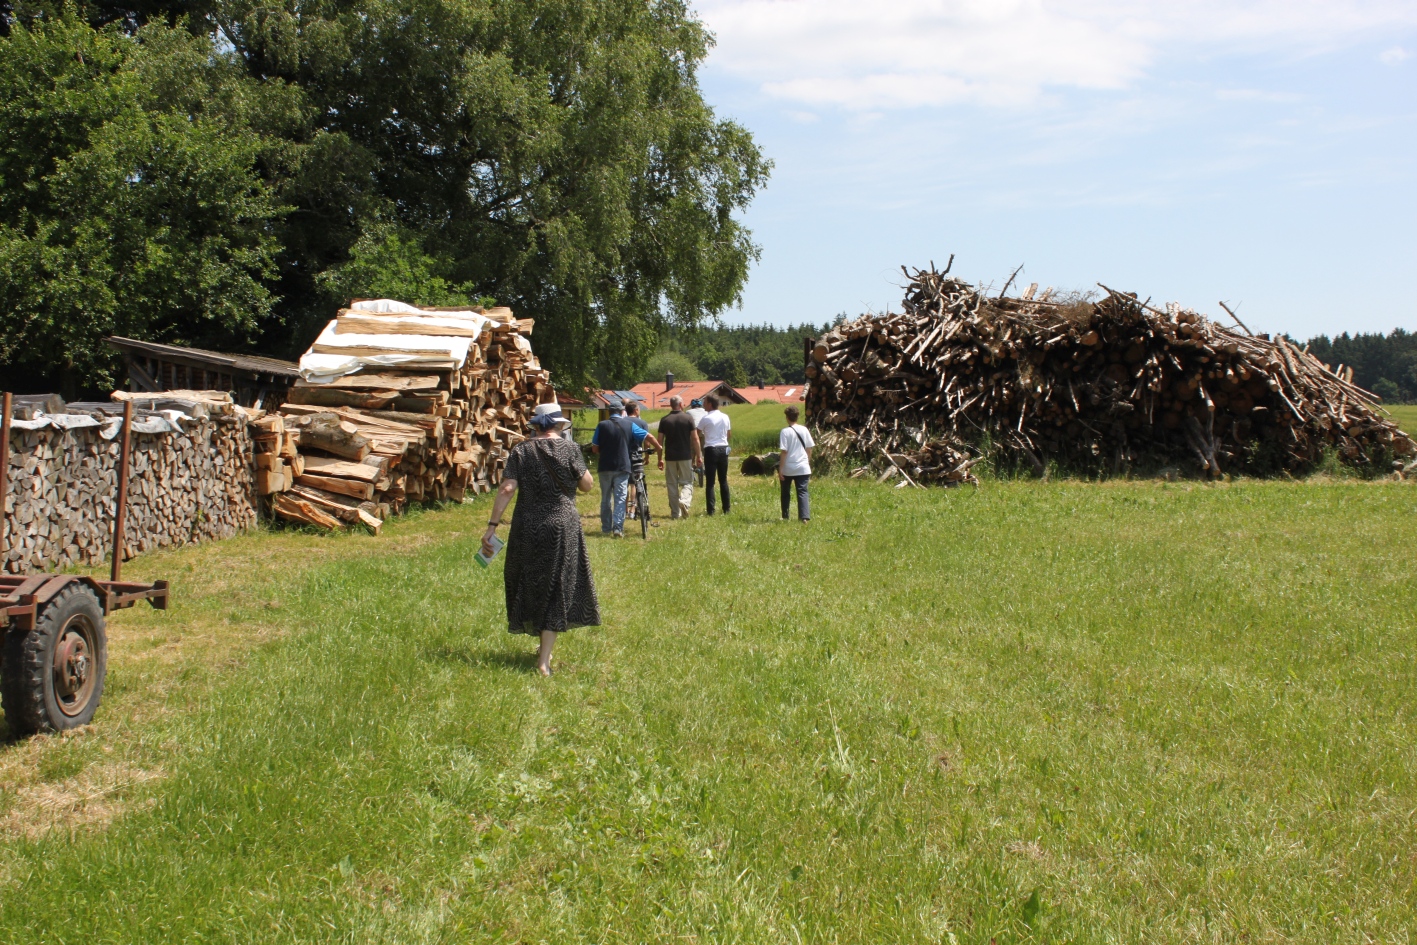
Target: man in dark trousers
715	427
611	443
681	456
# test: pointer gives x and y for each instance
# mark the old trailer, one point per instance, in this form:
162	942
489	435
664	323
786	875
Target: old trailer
55	650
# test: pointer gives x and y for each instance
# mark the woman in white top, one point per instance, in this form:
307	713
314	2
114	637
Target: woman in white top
794	465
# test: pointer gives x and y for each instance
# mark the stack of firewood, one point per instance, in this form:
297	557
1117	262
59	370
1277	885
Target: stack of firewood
438	399
189	478
1104	386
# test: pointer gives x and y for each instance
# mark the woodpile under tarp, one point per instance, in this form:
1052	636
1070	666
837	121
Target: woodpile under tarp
189	477
399	404
1104	387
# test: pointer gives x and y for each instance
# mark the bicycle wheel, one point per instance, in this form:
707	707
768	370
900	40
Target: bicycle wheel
642	507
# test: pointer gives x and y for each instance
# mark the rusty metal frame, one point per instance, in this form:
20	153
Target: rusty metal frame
4	467
120	508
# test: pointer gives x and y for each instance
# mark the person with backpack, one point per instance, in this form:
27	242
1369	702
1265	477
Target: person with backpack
794	464
612	443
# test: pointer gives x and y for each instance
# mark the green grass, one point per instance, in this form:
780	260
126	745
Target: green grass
755	427
1406	416
1028	712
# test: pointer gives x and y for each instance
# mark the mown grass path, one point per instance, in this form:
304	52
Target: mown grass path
1027	712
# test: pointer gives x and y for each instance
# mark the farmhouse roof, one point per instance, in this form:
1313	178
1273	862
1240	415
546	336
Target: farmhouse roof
656	395
613	398
782	393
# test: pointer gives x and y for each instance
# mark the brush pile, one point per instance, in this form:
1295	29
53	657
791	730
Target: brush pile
1105	386
399	404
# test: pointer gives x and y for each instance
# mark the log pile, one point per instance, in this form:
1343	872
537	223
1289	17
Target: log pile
399	404
189	478
1103	387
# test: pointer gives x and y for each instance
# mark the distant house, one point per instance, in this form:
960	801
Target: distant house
656	396
780	393
603	400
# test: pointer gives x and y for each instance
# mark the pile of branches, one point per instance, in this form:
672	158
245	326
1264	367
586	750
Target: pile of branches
1105	386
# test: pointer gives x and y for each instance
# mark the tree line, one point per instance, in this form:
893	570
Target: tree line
1383	364
742	355
226	173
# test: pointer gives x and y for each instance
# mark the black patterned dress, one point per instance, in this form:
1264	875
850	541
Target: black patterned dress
548	580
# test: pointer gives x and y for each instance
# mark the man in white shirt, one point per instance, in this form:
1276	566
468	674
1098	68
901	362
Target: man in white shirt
794	464
714	428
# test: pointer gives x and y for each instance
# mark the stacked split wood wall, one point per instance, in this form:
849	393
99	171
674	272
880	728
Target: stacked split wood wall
183	488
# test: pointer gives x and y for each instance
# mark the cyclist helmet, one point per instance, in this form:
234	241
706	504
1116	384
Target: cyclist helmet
696	402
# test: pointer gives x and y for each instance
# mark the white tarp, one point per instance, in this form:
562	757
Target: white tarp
336	354
384	307
72	421
111	427
393	307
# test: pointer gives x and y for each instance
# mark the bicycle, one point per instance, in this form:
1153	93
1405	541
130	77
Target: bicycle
637	482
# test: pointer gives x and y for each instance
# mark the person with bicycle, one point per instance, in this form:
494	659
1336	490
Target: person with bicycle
637	456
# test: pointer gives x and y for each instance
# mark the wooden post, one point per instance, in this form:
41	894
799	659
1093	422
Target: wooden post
4	470
121	507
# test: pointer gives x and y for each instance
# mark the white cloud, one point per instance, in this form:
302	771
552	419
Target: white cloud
866	54
1394	55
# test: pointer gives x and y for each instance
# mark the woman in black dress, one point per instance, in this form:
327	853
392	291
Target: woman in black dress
547	575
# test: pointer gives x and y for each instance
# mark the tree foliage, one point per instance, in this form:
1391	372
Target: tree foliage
744	354
555	155
126	205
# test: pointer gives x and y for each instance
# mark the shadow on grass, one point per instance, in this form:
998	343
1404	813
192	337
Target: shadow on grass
524	662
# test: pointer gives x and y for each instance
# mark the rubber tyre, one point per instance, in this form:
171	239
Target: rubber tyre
642	508
32	699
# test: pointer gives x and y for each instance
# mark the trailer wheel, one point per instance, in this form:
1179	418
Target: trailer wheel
53	675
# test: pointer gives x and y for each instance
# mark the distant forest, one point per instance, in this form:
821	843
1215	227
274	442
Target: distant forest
740	355
1384	364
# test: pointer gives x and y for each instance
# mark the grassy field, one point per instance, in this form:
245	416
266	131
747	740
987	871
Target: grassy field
1406	417
1025	712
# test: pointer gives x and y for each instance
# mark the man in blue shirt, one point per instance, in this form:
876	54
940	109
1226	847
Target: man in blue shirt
612	442
637	447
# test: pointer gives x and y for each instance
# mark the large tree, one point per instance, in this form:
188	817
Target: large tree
555	155
129	201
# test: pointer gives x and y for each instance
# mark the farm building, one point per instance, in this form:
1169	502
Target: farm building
253	381
656	396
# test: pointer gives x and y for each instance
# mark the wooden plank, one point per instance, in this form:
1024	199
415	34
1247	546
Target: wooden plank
360	490
323	466
299	510
315	396
379	381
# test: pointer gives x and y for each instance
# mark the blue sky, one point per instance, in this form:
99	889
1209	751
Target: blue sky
1260	153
